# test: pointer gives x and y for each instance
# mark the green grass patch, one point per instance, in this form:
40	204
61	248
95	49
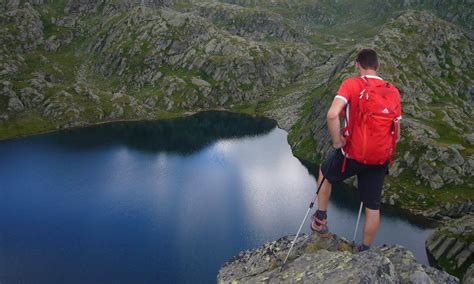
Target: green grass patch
246	108
405	185
24	124
247	87
450	266
447	134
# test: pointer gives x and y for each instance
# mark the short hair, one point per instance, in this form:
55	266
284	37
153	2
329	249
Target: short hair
367	59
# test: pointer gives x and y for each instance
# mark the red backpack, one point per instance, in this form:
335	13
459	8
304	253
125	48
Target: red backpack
372	134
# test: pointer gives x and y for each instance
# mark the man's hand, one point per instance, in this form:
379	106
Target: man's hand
341	143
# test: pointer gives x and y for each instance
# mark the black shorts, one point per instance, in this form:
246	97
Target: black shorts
369	177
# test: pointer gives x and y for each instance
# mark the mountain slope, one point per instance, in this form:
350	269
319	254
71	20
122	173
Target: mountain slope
105	62
430	61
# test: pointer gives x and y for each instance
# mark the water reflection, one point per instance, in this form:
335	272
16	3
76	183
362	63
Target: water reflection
185	135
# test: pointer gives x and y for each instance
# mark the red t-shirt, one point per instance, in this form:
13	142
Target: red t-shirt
349	92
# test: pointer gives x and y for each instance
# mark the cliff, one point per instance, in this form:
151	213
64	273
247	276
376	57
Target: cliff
328	260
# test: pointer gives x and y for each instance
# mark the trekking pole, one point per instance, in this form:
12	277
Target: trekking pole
304	220
358	219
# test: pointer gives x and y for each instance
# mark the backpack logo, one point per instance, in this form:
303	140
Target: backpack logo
385	110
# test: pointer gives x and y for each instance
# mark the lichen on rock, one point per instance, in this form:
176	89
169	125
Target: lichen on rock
328	260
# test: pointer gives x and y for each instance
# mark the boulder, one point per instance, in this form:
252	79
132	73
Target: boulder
31	97
470	138
117	112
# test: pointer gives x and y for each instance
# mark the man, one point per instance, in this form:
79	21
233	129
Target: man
343	164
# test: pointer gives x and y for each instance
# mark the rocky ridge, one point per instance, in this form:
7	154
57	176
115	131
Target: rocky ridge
331	260
252	24
345	14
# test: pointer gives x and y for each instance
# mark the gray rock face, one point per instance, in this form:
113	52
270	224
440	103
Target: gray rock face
245	70
451	245
31	97
250	23
333	267
29	28
116	113
450	210
328	260
14	103
469	276
470	138
409	270
62	105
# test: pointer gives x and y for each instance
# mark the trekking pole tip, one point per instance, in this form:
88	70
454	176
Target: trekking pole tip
283	266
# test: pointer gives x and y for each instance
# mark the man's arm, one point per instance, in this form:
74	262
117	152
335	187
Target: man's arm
334	124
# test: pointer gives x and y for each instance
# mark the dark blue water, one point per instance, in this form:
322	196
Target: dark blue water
164	202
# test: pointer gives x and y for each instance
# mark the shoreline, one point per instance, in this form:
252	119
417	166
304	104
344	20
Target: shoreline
168	116
93	124
412	214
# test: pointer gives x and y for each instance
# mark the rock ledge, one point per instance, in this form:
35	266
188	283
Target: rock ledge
328	260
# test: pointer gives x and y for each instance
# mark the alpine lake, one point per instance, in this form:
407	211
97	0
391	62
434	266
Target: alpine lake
161	202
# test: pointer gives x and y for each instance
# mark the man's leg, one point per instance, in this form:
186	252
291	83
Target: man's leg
370	192
372	221
332	168
324	193
319	223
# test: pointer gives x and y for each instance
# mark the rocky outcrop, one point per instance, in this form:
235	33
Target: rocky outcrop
328	260
469	276
182	45
343	13
451	246
447	210
27	32
91	6
253	24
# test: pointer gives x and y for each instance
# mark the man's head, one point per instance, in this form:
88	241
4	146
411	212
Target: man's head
367	60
